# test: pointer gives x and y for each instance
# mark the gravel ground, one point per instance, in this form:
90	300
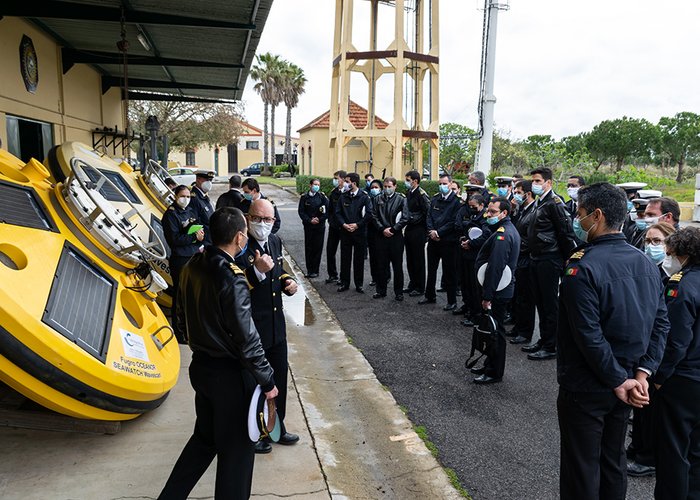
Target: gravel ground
502	440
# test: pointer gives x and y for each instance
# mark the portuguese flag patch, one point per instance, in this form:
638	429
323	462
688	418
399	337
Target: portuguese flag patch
572	271
672	293
499	237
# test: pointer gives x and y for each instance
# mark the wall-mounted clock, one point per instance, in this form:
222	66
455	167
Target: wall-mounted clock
28	64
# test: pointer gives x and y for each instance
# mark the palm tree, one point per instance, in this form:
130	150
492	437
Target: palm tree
265	72
293	83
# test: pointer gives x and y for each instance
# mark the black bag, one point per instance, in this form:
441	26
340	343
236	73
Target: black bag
483	338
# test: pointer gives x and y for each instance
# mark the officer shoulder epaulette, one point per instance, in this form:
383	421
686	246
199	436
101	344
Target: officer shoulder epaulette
236	270
576	256
171	207
422	191
676	277
501	230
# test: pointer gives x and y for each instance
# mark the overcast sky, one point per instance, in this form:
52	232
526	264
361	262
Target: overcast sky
561	66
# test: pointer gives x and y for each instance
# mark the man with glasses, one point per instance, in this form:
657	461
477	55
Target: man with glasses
251	192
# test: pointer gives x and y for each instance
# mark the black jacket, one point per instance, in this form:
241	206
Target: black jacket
550	235
390	212
522	221
333	199
418	205
500	250
354	209
682	354
441	217
612	316
231	198
245	206
571	207
313	206
176	223
266	295
201	205
213	306
466	221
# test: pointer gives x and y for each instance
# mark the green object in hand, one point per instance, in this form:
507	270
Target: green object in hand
194	228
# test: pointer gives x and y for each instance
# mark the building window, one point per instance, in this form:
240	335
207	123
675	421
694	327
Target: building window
189	158
252	144
28	139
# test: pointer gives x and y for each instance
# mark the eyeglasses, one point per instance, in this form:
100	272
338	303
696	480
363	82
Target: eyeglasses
267	220
653	241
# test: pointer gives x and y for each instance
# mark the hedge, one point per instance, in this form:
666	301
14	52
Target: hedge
431	187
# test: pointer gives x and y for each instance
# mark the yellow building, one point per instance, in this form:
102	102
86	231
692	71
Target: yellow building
314	150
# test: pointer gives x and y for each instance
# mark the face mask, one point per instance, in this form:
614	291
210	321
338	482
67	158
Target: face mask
248	196
369	183
502	192
315	188
581	233
407	184
492	220
183	201
444	188
473	211
206	186
245	247
335	183
347	186
656	253
630	205
375	191
260	230
538	189
652	220
671	265
518	198
389	191
573	193
641	224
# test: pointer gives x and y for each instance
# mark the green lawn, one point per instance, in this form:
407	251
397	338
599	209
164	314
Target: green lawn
283	182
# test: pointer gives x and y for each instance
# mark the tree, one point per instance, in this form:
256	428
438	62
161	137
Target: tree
293	82
543	151
266	72
619	139
680	138
189	125
457	146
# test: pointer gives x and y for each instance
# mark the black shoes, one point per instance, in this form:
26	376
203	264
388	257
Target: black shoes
359	289
378	295
534	347
485	379
519	340
440	290
262	447
372	283
343	288
542	355
332	279
460	310
478	371
414	293
288	439
638	470
426	301
450	307
399	297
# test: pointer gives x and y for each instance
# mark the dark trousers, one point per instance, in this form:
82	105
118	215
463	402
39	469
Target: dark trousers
390	253
372	241
524	304
176	264
222	393
593	426
678	439
414	241
641	449
352	252
447	252
471	290
277	357
331	249
544	276
495	363
313	246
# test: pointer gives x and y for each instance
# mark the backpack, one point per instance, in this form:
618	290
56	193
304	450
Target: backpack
483	338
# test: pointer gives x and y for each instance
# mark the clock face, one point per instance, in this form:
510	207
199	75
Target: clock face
29	65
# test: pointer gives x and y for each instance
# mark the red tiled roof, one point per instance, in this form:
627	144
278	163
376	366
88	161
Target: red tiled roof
358	118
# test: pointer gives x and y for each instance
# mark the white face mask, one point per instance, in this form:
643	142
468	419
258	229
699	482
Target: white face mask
573	193
261	230
183	201
206	186
671	265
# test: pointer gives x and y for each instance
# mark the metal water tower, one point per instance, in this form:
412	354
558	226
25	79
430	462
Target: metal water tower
412	54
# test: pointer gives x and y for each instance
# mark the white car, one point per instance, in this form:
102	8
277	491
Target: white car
182	175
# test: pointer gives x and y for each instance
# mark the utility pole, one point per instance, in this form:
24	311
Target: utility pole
487	100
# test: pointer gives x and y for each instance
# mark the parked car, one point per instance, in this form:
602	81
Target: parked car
182	175
253	169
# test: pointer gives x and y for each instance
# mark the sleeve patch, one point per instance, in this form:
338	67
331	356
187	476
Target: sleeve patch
672	293
500	237
572	271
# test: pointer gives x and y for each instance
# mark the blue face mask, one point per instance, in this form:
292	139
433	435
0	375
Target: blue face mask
375	191
444	188
369	183
630	206
492	220
335	183
641	224
537	189
315	188
657	253
581	233
502	192
518	198
389	191
407	184
248	196
245	247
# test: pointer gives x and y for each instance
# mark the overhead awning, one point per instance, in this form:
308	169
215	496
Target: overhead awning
178	49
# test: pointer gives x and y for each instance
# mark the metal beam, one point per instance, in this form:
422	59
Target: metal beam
114	81
86	12
71	56
145	96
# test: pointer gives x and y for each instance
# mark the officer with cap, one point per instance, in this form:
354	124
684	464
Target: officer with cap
635	235
504	188
630	189
501	250
313	212
200	203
